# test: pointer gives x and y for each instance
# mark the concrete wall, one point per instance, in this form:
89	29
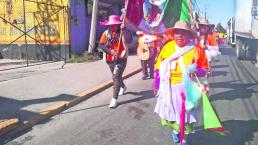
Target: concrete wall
35	52
80	27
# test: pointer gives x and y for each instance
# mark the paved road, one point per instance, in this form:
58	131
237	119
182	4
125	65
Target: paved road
234	94
93	123
23	95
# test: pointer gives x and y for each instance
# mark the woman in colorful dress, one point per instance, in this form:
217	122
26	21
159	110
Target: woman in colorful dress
172	69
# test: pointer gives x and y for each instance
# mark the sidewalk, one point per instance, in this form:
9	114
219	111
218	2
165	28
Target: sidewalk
25	96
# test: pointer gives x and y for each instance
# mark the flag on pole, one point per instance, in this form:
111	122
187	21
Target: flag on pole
211	120
155	16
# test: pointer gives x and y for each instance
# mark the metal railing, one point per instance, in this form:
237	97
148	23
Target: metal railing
33	32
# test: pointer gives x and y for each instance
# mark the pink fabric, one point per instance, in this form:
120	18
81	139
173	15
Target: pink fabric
113	20
200	72
156	80
182	119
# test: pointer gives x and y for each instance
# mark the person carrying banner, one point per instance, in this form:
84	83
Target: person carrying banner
207	40
116	55
178	60
196	38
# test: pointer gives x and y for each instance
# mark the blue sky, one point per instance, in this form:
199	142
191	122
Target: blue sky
217	10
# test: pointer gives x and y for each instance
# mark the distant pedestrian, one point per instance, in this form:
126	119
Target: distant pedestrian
221	39
147	53
208	41
116	55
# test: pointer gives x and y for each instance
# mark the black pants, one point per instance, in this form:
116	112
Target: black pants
148	64
117	69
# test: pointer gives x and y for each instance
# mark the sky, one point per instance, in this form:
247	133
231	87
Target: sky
217	10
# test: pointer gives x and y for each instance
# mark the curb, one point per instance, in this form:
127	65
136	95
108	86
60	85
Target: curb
11	127
8	125
93	91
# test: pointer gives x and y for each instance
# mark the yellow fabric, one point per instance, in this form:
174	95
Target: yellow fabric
176	127
221	35
189	58
140	40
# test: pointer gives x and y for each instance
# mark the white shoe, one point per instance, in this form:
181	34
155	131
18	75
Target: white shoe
113	103
122	90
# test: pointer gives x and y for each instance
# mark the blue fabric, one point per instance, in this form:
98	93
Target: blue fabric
193	93
175	137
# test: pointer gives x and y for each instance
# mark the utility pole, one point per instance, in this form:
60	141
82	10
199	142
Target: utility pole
205	11
195	16
92	39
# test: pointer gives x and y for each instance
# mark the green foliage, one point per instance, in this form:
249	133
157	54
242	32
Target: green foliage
220	28
86	57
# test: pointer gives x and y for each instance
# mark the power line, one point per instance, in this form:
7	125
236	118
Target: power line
196	6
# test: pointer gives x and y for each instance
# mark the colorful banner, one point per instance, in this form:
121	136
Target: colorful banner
155	17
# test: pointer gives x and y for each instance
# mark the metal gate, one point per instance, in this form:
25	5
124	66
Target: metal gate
33	32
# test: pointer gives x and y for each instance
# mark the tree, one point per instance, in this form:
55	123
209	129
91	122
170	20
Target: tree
220	28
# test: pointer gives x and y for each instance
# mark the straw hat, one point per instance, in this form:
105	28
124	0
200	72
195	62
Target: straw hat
183	26
206	23
113	20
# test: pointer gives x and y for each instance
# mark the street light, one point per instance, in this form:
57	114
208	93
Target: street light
254	9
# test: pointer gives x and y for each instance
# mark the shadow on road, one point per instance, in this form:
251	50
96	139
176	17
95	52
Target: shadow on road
143	96
228	51
218	73
240	133
93	107
12	108
220	66
237	91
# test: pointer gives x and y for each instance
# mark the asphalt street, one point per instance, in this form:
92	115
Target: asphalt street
234	94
